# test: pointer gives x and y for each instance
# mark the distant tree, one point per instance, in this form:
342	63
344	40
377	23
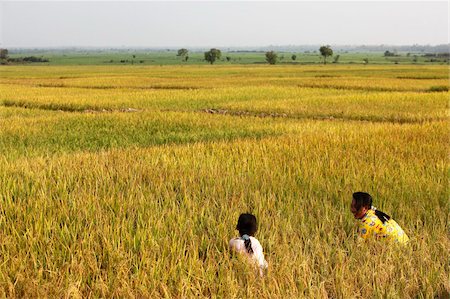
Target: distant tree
212	55
326	51
271	57
228	58
134	56
3	53
294	57
183	53
415	58
387	53
336	58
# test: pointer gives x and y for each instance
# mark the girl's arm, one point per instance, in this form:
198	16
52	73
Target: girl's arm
258	254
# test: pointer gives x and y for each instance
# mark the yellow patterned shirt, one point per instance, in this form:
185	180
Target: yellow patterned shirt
370	226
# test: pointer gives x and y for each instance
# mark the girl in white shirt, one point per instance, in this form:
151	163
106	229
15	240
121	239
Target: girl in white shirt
247	244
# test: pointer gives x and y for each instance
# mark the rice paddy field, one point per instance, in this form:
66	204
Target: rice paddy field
127	181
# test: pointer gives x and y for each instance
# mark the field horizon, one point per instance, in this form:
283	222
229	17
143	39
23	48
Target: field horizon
414	56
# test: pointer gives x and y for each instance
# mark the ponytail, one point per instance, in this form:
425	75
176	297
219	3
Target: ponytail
247	243
382	216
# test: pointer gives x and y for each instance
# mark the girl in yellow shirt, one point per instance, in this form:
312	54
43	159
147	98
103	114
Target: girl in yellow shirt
373	223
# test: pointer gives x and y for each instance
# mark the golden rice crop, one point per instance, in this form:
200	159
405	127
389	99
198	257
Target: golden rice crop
296	102
109	203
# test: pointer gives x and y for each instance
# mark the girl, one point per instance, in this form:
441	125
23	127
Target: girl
246	243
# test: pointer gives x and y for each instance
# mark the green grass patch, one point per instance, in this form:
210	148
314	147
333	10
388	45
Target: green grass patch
438	88
61	133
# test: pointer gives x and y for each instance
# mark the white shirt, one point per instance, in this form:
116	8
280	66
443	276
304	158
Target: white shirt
237	244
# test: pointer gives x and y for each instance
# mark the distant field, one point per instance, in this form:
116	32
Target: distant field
127	180
135	57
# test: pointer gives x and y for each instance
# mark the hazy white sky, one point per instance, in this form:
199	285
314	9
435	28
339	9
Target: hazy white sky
226	23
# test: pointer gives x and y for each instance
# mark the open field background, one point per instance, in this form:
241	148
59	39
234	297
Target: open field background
169	57
128	180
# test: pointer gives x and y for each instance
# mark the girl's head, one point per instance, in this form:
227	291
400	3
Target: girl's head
247	224
361	203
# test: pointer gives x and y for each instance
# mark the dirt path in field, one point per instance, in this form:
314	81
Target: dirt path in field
244	113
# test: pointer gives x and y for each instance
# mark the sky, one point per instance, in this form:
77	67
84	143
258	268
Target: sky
221	23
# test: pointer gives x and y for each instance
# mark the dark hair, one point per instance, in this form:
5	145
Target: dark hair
363	199
247	226
382	216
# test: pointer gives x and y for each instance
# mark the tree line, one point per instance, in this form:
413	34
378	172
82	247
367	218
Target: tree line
5	59
271	57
